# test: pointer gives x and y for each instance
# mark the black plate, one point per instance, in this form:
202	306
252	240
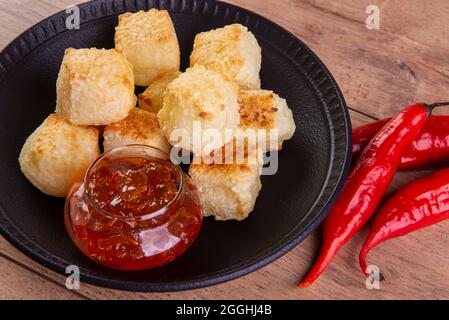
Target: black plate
312	165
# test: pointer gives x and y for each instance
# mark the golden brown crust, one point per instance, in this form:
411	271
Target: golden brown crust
146	103
139	124
94	86
223	45
228	191
222	169
153	24
148	40
199	96
265	119
228	160
153	96
140	127
58	153
257	111
232	51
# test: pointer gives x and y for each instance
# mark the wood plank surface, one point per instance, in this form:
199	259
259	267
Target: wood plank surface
379	72
18	282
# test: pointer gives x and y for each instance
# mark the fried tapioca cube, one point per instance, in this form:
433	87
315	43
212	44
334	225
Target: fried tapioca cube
232	51
94	86
148	40
140	127
57	153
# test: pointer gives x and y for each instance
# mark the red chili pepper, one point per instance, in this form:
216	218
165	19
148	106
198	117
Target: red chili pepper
367	183
362	135
430	148
421	203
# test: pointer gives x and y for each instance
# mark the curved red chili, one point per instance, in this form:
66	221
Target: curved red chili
362	135
421	203
430	148
366	184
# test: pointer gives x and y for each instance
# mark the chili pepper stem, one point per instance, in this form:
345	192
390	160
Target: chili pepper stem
434	105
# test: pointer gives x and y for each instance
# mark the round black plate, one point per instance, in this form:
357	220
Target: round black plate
312	165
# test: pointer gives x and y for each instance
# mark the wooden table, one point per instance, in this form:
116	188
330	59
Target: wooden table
379	72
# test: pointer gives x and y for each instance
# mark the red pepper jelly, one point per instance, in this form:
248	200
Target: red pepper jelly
133	210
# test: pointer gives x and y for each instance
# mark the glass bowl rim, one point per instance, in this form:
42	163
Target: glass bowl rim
144	217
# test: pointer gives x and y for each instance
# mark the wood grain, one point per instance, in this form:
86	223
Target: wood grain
18	283
379	72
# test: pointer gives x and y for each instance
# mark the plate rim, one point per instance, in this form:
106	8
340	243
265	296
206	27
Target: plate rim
49	27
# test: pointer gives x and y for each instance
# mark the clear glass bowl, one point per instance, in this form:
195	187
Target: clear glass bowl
135	240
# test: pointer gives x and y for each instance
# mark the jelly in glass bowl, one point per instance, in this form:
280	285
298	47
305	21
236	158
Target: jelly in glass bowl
133	210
